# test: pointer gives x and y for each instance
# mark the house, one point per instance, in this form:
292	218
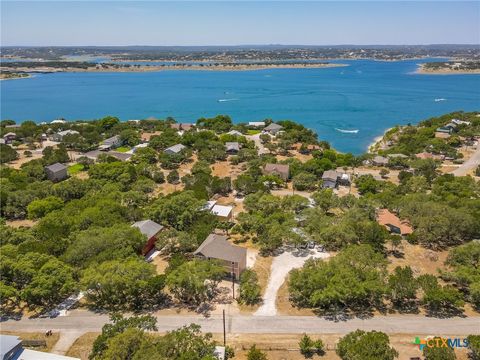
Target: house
232	147
460	122
175	149
14	126
273	129
58	121
379	161
427	155
397	156
281	170
59	136
393	223
150	229
111	143
94	154
56	172
235	133
330	179
9	137
216	247
344	179
256	124
182	126
11	348
223	212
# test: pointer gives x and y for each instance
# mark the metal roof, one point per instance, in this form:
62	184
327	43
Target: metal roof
148	227
56	167
176	148
217	247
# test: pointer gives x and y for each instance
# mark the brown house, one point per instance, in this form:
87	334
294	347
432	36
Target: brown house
216	247
393	223
281	170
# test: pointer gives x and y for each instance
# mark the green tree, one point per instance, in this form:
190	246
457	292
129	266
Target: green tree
367	184
195	281
116	284
439	353
7	154
402	287
309	347
130	137
372	345
474	346
173	177
256	354
304	181
249	287
39	208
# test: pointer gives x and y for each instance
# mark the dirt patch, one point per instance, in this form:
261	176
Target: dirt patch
421	260
226	169
161	263
21	223
262	268
82	347
51	340
22	159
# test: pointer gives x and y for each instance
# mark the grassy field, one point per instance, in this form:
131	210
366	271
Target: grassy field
75	169
123	149
253	132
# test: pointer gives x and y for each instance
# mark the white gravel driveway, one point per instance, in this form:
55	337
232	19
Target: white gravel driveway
281	266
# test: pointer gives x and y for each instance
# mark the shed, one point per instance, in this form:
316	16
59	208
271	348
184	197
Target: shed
175	149
223	212
150	229
233	258
330	179
56	172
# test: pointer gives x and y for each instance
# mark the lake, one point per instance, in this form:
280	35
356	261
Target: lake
368	96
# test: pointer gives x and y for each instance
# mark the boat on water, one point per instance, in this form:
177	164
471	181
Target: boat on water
440	99
354	131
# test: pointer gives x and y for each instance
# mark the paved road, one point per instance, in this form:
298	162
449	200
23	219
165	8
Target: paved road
83	321
471	163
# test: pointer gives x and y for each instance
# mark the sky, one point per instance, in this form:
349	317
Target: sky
76	23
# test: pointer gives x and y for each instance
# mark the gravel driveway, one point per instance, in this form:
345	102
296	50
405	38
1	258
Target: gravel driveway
281	266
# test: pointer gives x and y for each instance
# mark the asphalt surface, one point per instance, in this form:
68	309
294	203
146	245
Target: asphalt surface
80	321
471	163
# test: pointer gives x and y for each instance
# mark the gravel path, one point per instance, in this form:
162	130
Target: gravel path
281	266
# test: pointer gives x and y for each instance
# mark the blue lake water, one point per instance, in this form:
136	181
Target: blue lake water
370	96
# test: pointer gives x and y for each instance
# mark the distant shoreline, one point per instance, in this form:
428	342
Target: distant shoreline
444	71
220	67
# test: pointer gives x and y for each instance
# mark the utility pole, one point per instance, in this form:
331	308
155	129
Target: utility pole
233	282
224	333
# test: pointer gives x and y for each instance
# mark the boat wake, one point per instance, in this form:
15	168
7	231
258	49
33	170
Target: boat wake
348	131
440	99
225	100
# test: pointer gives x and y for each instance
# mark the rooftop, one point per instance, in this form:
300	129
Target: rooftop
330	175
217	247
56	167
280	168
176	148
148	227
221	210
385	218
273	126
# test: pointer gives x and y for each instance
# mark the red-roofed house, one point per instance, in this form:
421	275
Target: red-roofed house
393	223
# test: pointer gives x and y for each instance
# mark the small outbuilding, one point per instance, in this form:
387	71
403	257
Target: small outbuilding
59	136
150	229
56	172
111	143
216	247
223	212
330	179
9	137
175	149
393	223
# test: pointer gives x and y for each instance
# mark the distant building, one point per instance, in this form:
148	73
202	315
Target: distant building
273	128
216	247
235	133
59	136
256	124
150	229
94	154
281	170
330	179
232	147
397	156
182	126
9	137
427	155
111	143
460	122
58	121
11	348
56	172
393	223
223	212
175	149
440	134
14	126
380	161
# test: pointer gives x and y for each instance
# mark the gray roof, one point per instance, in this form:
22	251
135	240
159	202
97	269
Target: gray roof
217	247
330	175
235	132
7	343
112	140
273	126
380	160
66	132
232	146
148	227
56	167
176	148
94	154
